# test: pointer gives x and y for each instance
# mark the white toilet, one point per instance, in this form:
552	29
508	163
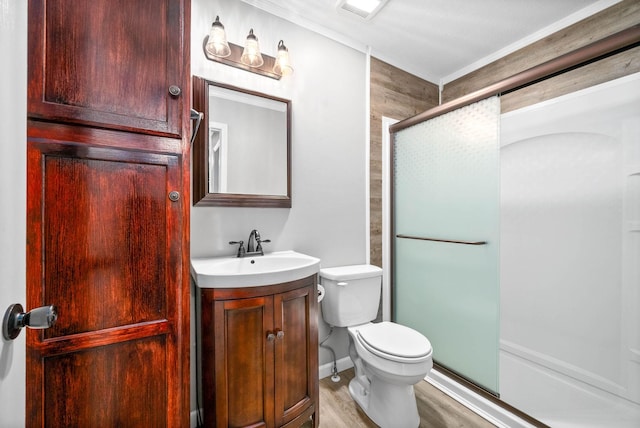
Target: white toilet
388	358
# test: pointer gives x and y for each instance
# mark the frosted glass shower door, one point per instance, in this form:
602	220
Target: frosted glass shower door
446	212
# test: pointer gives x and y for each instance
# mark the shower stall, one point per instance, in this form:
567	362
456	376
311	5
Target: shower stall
516	250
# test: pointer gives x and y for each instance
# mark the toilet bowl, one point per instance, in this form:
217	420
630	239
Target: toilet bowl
388	358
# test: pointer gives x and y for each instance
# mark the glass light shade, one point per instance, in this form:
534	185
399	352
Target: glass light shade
282	65
217	43
251	55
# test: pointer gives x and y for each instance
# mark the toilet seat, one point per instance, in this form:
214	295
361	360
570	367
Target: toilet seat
394	342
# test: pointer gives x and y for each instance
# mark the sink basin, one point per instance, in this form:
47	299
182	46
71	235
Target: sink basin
272	268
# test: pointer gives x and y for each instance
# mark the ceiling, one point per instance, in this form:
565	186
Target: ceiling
438	40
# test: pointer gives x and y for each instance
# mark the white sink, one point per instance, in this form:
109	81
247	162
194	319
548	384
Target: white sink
272	268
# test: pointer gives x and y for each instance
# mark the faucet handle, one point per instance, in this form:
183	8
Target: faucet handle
259	247
241	250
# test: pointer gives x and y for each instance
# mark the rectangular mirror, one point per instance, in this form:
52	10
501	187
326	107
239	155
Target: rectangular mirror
242	152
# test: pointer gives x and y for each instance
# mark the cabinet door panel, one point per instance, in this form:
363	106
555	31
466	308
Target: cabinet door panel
105	247
296	352
108	63
243	362
104	251
121	366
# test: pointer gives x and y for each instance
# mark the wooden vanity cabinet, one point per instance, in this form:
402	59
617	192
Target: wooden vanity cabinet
260	355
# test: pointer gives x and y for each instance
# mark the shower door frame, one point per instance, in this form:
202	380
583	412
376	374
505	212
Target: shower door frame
611	45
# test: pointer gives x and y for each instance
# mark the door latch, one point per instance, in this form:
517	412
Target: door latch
15	319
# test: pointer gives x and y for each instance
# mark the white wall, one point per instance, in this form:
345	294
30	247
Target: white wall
13	113
329	112
327	90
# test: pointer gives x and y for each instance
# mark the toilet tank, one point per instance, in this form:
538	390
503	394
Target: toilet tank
352	294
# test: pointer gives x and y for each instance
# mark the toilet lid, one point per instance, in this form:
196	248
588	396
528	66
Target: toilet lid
389	340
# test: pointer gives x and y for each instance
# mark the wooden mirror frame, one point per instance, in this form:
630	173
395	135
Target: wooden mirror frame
200	156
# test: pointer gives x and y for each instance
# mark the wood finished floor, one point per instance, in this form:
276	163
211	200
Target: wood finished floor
436	409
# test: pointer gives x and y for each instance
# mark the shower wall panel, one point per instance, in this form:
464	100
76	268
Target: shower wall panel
570	251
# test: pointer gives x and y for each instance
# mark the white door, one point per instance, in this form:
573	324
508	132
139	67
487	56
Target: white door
13	125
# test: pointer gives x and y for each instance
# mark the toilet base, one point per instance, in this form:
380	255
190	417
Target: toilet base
388	405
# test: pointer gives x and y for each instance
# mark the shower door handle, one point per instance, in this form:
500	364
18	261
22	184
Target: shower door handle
421	238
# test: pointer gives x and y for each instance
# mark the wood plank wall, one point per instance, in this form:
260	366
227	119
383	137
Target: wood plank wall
609	21
395	94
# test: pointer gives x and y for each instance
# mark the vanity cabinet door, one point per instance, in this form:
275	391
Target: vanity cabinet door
260	355
296	353
244	342
117	64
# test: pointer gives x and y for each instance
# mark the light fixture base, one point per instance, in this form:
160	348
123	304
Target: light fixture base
266	69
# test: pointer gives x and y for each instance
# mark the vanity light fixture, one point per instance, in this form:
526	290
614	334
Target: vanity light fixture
249	57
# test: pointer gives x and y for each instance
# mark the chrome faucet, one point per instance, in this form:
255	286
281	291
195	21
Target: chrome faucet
254	238
254	245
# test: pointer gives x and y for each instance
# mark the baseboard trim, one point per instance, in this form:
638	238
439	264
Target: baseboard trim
478	404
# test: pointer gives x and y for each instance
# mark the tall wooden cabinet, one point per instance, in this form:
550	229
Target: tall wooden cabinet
260	355
108	212
117	64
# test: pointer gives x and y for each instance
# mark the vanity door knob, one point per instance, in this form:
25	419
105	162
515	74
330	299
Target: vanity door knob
270	336
174	90
279	334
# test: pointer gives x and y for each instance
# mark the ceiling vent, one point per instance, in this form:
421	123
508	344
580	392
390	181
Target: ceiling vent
365	9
